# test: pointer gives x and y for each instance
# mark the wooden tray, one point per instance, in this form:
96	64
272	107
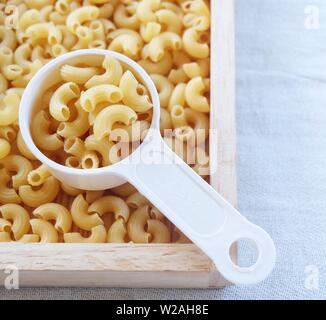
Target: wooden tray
166	265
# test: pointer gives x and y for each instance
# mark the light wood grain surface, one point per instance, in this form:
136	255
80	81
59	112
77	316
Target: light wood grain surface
174	266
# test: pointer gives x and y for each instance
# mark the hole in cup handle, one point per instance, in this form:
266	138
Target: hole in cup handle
220	253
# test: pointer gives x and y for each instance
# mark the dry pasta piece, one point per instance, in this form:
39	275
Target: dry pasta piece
18	165
43	194
112	75
131	97
123	19
56	212
110	204
194	95
7	194
117	232
45	230
164	88
40	130
19	218
107	117
98	235
195	43
136	200
5	225
81	15
159	231
37	177
124	190
137	225
101	93
59	109
79	75
9	107
23	149
76	128
5	148
81	216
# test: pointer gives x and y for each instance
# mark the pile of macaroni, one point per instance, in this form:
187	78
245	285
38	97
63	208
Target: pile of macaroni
170	40
93	116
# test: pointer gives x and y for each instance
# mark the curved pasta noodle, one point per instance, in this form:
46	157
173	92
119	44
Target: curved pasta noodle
99	94
137	200
70	190
9	110
159	231
108	204
117	232
112	75
79	75
3	84
59	109
170	20
165	122
107	117
162	67
123	19
146	10
12	71
76	128
194	95
19	218
23	149
137	224
101	146
164	88
28	18
23	81
5	225
131	97
45	230
178	96
193	46
8	37
92	196
56	212
5	237
74	146
81	216
124	190
7	195
29	238
22	56
150	30
40	130
18	165
45	30
81	15
162	42
98	235
4	148
8	133
45	194
37	177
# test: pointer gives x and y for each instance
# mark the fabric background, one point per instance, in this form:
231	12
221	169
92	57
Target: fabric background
281	161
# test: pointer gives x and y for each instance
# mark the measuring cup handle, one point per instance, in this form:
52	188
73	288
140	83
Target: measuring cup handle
199	211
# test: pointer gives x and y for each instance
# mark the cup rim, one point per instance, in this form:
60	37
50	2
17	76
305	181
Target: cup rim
26	107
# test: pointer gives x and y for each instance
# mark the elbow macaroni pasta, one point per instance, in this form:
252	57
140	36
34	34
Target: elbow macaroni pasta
94	109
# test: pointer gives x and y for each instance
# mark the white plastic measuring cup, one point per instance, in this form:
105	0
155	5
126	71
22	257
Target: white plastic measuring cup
155	170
